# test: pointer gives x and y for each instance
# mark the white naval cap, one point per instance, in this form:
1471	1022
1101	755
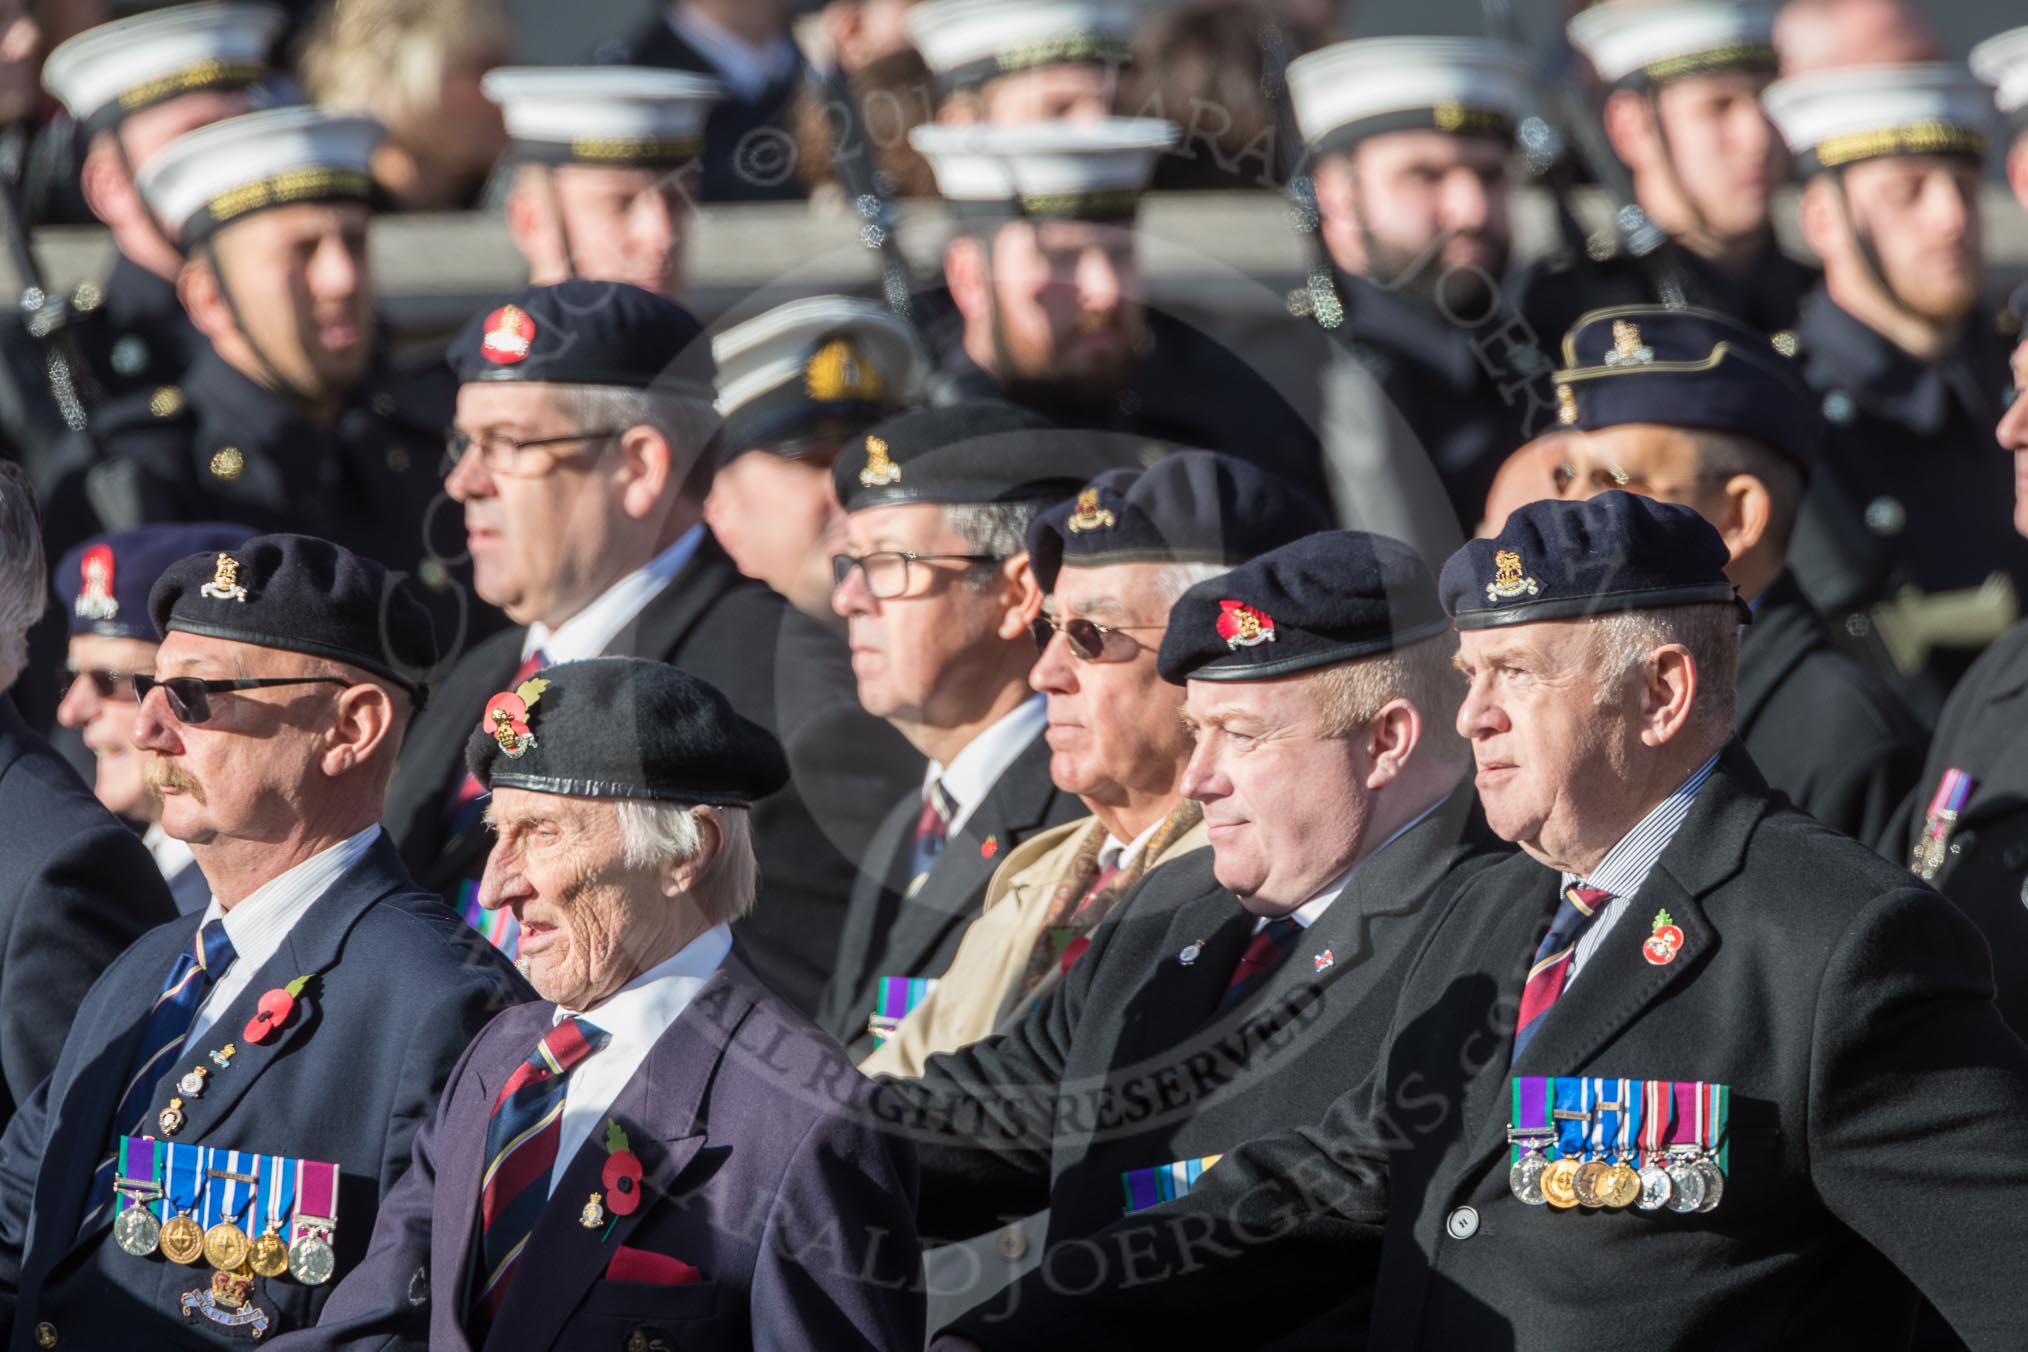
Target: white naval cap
629	116
812	373
1094	171
1832	118
114	69
1360	88
2002	62
967	42
1652	44
217	174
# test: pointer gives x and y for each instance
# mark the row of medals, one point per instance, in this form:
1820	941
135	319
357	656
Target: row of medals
225	1246
1684	1180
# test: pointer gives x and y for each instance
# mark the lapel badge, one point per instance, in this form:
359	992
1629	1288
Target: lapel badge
509	332
1192	951
1628	349
1324	960
171	1119
223	1056
593	1215
1241	626
1089	515
838	371
95	599
1664	943
880	470
224	584
192	1083
506	720
989	847
1508	579
622	1174
272	1011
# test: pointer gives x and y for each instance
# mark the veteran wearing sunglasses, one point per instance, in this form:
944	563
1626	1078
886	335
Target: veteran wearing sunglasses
103	587
281	1047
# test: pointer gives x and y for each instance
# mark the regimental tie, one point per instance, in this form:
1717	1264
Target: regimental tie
1574	915
1264	952
462	814
190	979
521	1143
932	829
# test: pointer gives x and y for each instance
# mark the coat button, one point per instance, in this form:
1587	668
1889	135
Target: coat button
1462	1223
45	1334
1011	1244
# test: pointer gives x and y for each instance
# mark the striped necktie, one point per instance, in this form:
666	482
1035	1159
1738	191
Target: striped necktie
462	813
521	1142
1264	952
1574	915
932	829
190	980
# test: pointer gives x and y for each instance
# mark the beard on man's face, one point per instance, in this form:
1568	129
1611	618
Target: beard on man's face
1457	274
1090	365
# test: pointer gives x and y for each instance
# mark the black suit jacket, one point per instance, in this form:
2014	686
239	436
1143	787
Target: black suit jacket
1129	1064
778	668
887	934
1875	1131
1823	729
76	887
400	988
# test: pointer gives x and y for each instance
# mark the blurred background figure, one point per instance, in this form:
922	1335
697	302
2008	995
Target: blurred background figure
414	66
1205	67
2002	61
1024	60
1819	34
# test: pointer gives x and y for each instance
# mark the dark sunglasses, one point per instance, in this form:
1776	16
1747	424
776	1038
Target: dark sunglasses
1088	639
190	696
105	684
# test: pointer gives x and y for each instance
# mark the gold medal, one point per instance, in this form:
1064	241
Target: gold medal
182	1240
1622	1186
1558	1182
269	1256
226	1246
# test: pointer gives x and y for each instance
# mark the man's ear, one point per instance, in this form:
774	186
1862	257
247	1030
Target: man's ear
1338	209
1391	739
1023	594
646	466
680	877
108	191
1748	509
1817	213
966	273
2017	169
1668	693
361	725
1630	127
197	286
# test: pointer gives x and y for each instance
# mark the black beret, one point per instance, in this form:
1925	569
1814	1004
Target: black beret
588	333
303	595
1562	560
1189	507
1685	368
1326	598
976	452
104	582
623	727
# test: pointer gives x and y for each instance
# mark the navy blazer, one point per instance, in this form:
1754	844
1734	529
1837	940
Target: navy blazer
76	887
401	986
763	1170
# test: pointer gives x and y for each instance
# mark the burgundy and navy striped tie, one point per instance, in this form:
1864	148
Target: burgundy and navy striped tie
1574	915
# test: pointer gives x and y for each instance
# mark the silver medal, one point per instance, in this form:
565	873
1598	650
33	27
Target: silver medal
137	1231
1713	1179
310	1260
1686	1186
1656	1189
1525	1178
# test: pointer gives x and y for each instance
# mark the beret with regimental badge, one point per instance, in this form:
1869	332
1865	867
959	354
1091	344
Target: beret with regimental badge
1351	90
1558	560
1686	368
103	583
1189	507
209	178
588	333
113	70
623	727
981	451
1080	171
807	375
301	594
1832	118
1333	597
1644	45
965	43
623	117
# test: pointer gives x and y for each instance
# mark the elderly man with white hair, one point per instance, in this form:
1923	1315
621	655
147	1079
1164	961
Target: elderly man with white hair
76	886
663	1143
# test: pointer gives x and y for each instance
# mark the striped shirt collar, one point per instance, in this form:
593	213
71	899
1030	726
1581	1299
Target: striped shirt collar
1627	865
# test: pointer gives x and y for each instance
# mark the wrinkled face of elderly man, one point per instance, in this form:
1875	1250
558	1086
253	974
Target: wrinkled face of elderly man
600	893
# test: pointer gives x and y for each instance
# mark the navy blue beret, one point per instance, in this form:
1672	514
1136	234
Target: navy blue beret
304	595
623	727
1326	598
1189	507
1685	368
1561	560
980	451
588	333
104	582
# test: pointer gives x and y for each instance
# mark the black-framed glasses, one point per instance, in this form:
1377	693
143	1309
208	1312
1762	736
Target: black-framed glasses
190	696
1089	640
887	571
512	456
105	684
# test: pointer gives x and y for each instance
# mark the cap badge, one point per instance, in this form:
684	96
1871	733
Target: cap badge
224	584
95	599
1508	579
839	370
1628	349
509	331
880	471
506	720
1241	626
1089	515
1566	406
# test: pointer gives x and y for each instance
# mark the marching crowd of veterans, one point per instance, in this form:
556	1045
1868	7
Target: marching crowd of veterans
982	818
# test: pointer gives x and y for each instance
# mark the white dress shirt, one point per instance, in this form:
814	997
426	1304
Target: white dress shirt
587	633
636	1016
973	771
746	70
1306	914
1627	865
171	855
263	918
